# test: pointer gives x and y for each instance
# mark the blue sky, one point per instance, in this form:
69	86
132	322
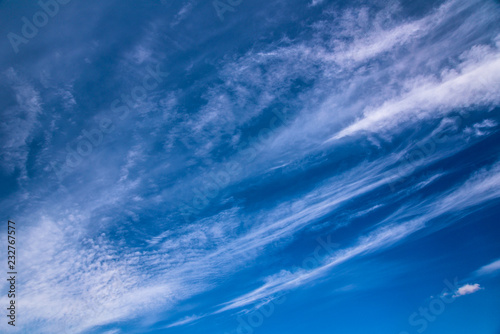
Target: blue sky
242	167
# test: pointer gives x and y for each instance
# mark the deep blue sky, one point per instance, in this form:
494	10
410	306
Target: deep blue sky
240	167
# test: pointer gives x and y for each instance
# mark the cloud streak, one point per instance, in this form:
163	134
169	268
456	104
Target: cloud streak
349	98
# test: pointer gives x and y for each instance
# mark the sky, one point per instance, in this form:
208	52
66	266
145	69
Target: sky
239	167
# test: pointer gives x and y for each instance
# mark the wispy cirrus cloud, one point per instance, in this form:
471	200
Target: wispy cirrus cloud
476	85
348	86
386	236
19	120
489	269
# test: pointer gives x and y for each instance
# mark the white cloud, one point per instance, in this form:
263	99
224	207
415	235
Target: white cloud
489	269
112	331
316	2
183	13
467	289
18	122
343	81
383	237
182	261
284	281
184	321
430	99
